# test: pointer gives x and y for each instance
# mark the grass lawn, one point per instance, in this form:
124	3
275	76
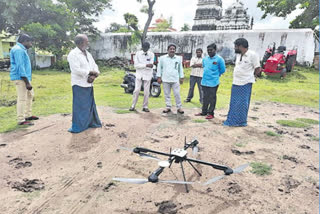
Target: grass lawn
53	92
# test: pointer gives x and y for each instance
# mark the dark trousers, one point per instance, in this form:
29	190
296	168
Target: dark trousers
209	99
193	81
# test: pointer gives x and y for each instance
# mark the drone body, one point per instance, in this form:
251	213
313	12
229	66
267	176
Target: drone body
177	156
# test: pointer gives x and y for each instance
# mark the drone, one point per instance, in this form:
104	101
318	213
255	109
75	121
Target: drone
177	156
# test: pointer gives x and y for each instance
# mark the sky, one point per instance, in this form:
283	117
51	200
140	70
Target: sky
183	11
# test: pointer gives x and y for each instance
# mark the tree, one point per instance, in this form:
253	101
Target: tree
132	21
308	19
114	27
185	27
148	10
52	23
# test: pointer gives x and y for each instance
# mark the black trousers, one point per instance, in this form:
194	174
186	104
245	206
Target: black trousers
209	99
193	81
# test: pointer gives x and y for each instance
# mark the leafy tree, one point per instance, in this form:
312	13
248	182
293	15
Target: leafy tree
148	9
281	8
52	23
185	27
132	21
114	27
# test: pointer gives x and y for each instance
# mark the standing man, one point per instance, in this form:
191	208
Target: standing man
170	73
247	66
143	62
84	71
196	75
213	67
20	73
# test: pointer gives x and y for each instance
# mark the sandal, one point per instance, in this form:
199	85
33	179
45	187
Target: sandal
166	110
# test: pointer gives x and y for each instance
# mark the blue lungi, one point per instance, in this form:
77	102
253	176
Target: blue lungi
84	110
239	105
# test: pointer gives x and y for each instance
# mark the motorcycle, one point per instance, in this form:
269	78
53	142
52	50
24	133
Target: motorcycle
129	81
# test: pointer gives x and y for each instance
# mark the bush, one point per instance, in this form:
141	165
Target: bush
62	65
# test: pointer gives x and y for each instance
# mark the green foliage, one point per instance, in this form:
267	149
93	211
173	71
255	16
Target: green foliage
292	123
240	144
185	27
162	26
199	121
132	21
260	168
308	121
62	65
52	23
271	133
281	8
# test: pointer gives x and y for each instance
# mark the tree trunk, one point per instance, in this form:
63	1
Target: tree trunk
150	15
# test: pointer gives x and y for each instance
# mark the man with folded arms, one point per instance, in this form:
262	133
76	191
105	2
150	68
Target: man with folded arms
21	74
84	71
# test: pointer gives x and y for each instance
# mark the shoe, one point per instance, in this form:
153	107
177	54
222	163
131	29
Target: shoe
200	114
131	109
25	123
32	118
187	101
180	111
145	110
209	117
166	110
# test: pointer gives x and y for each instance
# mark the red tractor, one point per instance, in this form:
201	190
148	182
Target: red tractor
276	61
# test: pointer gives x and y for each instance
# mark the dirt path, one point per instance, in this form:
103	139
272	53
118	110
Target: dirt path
74	171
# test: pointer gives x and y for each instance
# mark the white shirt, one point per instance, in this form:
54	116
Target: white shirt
141	59
244	68
198	72
80	66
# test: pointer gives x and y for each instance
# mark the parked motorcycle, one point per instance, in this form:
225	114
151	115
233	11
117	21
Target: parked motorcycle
129	84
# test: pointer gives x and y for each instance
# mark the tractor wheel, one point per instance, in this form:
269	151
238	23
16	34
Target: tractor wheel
265	58
290	63
283	73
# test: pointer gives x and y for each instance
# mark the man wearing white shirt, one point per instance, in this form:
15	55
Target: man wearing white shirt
143	62
247	66
84	71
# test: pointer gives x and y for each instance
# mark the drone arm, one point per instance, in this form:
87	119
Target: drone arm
219	167
144	150
154	176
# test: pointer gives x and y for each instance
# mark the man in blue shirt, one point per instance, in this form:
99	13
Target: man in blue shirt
213	67
170	73
20	73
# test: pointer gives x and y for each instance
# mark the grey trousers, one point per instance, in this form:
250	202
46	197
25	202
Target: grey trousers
146	92
193	81
176	92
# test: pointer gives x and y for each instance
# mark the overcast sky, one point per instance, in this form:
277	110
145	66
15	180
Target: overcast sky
183	11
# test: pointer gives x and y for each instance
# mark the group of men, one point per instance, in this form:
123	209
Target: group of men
205	72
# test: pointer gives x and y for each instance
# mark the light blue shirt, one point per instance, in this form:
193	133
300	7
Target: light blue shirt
20	65
212	70
170	68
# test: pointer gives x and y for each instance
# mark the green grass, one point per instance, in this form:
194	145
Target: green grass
53	92
260	168
271	133
315	138
240	144
308	121
123	111
199	121
292	123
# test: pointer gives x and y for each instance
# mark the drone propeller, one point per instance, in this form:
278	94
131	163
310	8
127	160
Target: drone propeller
144	180
195	150
143	155
235	171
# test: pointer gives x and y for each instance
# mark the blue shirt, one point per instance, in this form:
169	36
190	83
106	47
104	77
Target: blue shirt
212	70
170	68
20	65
